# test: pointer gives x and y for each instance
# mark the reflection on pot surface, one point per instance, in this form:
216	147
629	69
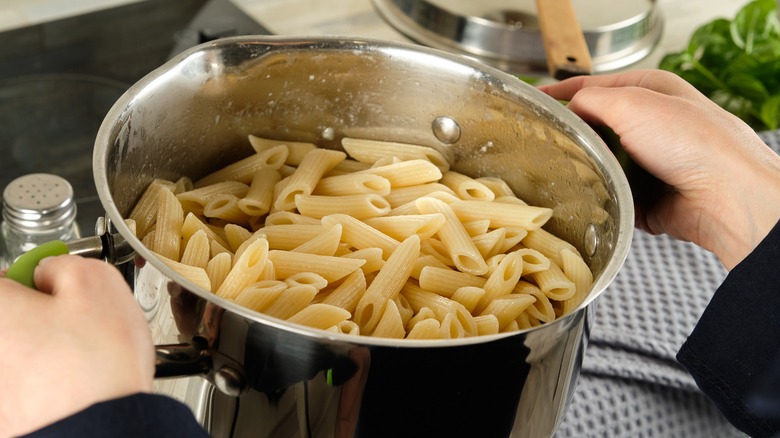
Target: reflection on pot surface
274	378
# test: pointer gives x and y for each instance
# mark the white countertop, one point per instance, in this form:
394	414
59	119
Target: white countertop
358	17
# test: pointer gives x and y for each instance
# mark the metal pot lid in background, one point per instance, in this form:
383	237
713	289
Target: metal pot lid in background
504	33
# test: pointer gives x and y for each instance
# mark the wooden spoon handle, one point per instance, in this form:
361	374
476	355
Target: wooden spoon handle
564	44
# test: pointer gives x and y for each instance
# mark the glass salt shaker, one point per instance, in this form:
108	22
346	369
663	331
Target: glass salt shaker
37	208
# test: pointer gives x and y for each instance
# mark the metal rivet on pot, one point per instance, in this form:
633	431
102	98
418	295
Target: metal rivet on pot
446	129
591	240
230	381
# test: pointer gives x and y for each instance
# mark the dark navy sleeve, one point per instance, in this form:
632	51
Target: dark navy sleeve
138	415
734	350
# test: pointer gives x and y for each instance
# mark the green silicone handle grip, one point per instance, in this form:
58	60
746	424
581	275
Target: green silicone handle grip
24	266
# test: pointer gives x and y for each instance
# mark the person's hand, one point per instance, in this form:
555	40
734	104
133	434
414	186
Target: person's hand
79	341
724	182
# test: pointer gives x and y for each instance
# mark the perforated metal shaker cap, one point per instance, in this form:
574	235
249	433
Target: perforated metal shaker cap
38	203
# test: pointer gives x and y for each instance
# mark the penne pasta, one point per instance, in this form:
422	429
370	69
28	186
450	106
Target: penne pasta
246	270
466	187
502	214
144	213
352	184
243	170
358	206
291	301
193	201
407	173
260	295
296	149
387	284
259	197
196	251
306	176
320	316
170	218
390	324
348	293
401	227
370	151
287	263
459	245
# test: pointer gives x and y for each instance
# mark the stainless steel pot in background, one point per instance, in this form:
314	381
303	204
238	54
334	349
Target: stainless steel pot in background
193	115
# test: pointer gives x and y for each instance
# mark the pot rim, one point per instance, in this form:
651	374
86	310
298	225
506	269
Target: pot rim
612	170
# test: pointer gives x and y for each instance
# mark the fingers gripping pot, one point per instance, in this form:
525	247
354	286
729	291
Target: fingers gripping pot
193	115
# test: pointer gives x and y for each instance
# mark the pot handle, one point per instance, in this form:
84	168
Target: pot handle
111	247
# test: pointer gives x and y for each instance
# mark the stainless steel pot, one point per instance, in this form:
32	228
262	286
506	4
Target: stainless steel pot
193	115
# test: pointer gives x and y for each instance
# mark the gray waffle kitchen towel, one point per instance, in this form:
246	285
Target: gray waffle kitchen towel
631	384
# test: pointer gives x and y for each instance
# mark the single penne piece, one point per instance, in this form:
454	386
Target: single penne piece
493	263
183	184
404	309
512	238
193	274
291	301
246	269
289	237
310	278
192	224
358	206
287	263
446	282
402	195
390	324
450	327
289	218
196	250
297	149
360	235
429	328
526	321
548	244
502	214
542	309
320	316
346	327
387	284
352	184
132	226
441	306
215	248
370	151
407	173
193	201
302	182
476	228
401	227
236	235
348	166
421	314
426	260
486	324
258	199
260	295
466	187
502	281
469	296
225	207
460	247
144	212
533	261
218	268
554	283
498	186
512	327
170	218
575	268
507	308
243	170
372	256
490	243
325	243
348	293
